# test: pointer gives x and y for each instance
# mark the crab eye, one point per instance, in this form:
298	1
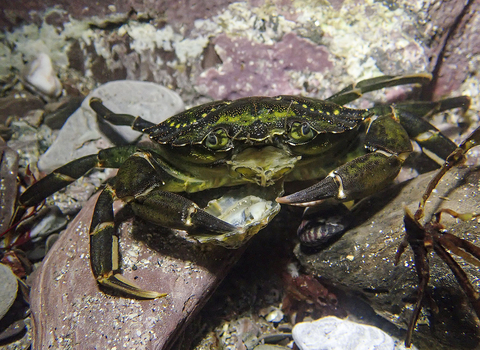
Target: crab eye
301	132
217	139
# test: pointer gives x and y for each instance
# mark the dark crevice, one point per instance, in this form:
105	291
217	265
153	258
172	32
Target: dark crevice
427	92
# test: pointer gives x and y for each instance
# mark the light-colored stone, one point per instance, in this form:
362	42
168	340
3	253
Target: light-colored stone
81	135
332	333
42	77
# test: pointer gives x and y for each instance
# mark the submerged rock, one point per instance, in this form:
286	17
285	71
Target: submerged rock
99	318
362	262
8	184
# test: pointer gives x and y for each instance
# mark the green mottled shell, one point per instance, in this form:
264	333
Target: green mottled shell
255	119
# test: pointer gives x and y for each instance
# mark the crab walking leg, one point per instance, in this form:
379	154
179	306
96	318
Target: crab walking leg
70	172
65	175
389	145
354	91
137	123
411	115
160	207
104	250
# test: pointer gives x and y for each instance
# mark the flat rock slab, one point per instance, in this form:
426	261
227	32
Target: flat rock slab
70	310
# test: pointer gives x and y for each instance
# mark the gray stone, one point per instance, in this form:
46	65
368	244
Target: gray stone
8	289
81	134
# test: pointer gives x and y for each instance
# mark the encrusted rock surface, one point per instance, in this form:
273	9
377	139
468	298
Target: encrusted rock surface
8	175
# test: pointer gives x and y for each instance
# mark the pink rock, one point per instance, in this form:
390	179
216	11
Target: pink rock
70	310
251	68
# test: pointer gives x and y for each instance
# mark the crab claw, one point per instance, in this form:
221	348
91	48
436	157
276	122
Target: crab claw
313	195
356	179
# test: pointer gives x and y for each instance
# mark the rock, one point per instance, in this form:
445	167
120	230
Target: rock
42	77
8	289
453	52
332	333
8	184
97	318
12	331
81	134
18	105
270	347
362	261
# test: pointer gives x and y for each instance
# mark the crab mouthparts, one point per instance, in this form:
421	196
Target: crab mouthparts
263	166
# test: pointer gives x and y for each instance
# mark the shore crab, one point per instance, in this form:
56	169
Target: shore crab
255	144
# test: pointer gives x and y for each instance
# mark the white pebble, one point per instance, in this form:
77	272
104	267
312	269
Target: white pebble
42	77
332	333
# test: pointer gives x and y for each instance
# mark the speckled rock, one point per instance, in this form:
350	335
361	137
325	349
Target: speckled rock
362	260
84	315
81	135
8	184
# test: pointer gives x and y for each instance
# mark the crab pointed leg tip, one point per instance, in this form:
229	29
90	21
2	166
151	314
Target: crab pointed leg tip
146	294
290	200
119	283
282	200
154	295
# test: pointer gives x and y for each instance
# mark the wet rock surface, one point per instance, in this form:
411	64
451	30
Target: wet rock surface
69	310
455	43
229	49
362	260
